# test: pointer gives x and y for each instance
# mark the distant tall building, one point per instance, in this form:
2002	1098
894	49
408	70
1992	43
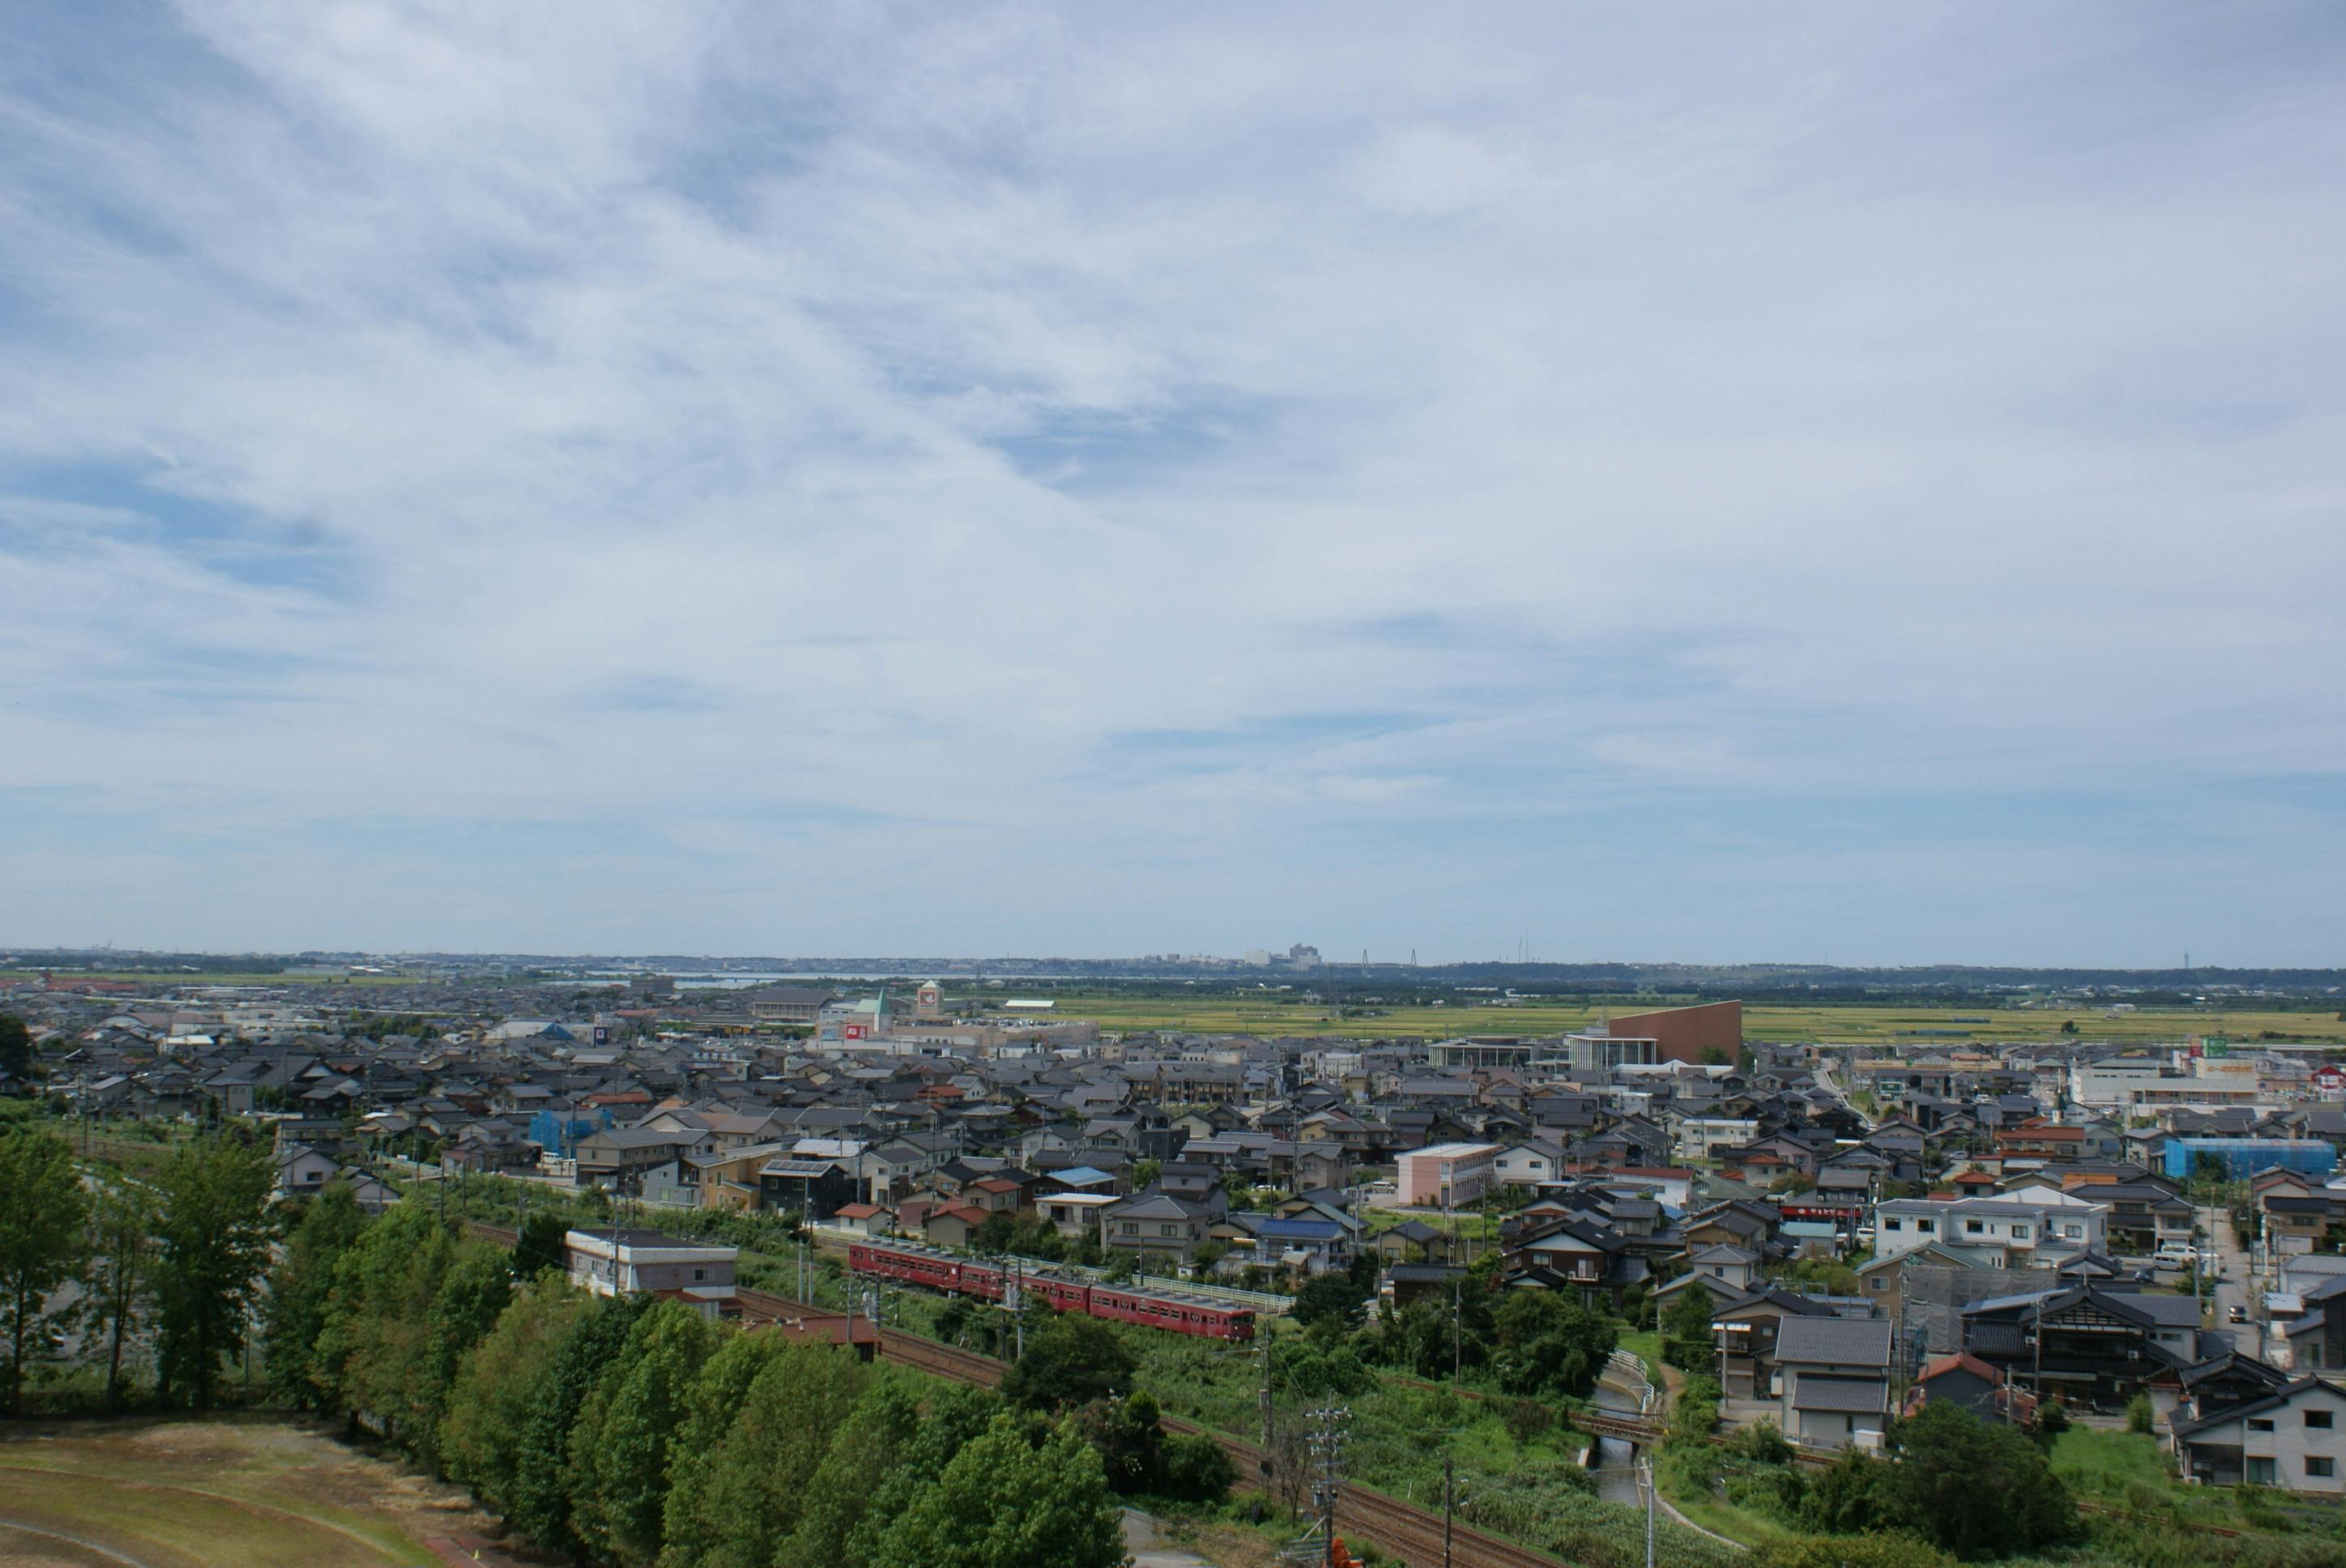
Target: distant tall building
1683	1034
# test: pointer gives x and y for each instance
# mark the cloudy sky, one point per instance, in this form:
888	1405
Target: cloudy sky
1704	482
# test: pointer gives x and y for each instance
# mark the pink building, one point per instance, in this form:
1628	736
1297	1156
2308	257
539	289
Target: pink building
1457	1174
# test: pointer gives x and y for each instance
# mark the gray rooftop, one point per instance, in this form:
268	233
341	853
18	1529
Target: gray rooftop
1835	1341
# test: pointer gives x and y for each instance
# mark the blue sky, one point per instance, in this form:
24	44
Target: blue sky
1675	482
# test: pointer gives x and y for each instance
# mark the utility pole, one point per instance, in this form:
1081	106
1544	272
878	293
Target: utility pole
1457	1326
1269	1464
1448	1496
1327	1454
1646	1465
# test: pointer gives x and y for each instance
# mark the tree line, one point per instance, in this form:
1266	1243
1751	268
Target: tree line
635	1431
165	1266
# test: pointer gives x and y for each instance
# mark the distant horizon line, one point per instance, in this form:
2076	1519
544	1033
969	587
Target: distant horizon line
909	963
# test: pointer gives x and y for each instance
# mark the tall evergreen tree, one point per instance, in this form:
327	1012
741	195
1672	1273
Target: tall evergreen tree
16	1048
214	1235
867	1449
952	1419
540	1504
619	1451
371	1348
121	1288
43	1219
1003	1503
758	1481
473	1293
716	1400
538	1247
299	1287
499	1385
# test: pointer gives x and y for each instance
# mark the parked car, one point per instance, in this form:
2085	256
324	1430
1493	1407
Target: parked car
2237	1314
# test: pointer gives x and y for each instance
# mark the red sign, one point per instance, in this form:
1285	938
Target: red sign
854	1031
1820	1211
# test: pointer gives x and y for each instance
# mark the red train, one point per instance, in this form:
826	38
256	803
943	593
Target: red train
913	1264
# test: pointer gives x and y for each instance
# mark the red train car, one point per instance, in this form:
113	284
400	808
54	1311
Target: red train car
1175	1311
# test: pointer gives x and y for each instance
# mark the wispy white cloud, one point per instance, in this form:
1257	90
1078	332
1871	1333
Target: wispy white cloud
791	463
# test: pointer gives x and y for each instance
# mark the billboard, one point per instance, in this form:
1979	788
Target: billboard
854	1032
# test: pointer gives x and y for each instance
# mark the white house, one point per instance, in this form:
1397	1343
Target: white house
2035	1233
2293	1438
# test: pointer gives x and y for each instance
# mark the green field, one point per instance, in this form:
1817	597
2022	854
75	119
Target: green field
215	1493
1227	1013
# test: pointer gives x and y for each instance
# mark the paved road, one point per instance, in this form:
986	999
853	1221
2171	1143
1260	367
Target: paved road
1140	1539
2233	1289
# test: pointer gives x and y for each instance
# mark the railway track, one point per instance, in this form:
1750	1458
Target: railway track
1400	1529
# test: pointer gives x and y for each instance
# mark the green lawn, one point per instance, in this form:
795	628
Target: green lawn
230	1493
1645	1344
2098	1459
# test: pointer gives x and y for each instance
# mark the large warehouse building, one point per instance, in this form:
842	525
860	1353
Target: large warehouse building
1683	1034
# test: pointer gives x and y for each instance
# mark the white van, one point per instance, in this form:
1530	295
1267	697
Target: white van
2176	1255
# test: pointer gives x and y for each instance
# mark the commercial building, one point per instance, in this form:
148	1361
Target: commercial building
1452	1174
622	1262
1686	1034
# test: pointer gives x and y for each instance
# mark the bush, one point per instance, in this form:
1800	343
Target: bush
2139	1415
1888	1551
1196	1469
1763	1443
1696	1414
2052	1418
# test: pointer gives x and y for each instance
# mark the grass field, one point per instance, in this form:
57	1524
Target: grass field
214	1493
1224	1012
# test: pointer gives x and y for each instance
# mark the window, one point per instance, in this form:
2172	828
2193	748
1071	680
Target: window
2260	1423
2319	1465
2318	1419
1973	1227
699	1275
2019	1232
1893	1225
1926	1225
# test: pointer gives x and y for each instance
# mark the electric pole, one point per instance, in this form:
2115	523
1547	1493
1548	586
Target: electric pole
1448	1496
1269	1464
1328	1454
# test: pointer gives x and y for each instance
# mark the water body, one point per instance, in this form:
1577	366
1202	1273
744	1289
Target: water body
1615	1470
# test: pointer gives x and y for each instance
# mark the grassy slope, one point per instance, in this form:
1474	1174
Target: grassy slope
222	1495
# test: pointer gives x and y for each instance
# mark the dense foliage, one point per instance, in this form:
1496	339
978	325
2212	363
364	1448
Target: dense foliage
636	1433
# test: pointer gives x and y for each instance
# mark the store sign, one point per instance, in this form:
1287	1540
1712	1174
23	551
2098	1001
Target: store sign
1823	1211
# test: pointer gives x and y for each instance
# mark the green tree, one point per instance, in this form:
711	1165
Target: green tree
952	1419
16	1048
473	1293
121	1283
1128	1441
540	1504
43	1219
539	1245
1072	1362
1548	1343
499	1385
866	1449
1686	1342
710	1409
1949	1460
1003	1503
1333	1296
371	1352
760	1478
299	1287
620	1446
214	1236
